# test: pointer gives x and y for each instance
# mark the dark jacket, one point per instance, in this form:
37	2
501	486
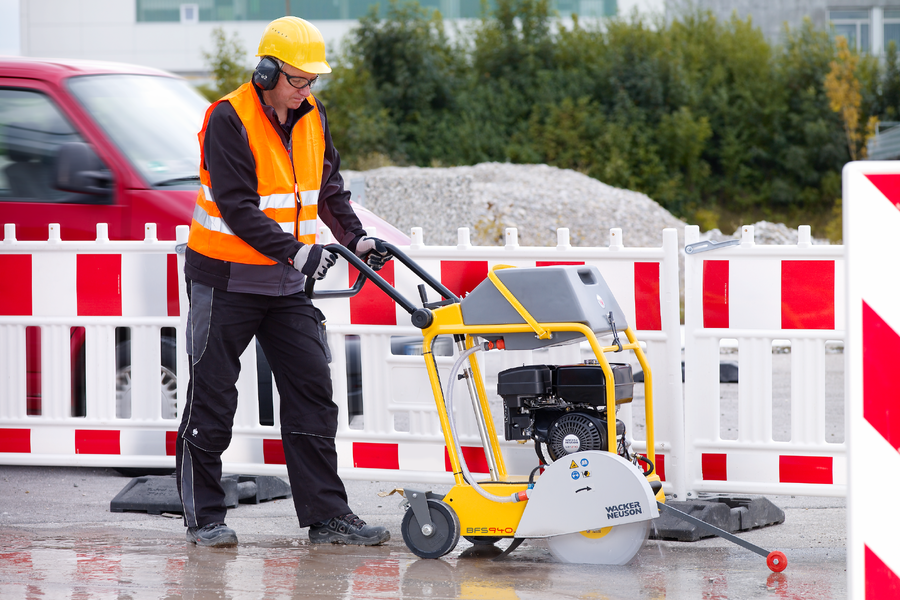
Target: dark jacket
232	171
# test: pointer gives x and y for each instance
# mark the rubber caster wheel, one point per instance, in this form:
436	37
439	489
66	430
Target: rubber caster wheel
482	540
443	537
777	561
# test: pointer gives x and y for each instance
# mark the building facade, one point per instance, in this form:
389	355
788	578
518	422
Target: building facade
869	25
173	34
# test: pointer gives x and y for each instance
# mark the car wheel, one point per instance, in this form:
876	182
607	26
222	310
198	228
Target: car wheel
167	379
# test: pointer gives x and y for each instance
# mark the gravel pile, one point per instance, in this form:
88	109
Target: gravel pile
489	197
536	199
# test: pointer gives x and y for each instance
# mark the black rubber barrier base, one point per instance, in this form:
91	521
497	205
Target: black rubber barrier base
159	494
731	513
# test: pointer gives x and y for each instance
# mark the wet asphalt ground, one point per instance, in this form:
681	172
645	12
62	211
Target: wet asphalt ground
58	539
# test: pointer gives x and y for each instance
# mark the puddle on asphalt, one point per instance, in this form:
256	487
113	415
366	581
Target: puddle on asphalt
118	567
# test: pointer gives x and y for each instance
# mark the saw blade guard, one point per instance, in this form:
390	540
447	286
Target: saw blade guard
587	491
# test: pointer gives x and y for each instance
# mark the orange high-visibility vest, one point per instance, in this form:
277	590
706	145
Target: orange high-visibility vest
288	193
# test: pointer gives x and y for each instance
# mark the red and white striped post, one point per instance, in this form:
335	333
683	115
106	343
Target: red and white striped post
871	221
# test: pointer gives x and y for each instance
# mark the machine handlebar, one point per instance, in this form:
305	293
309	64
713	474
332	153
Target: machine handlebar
421	317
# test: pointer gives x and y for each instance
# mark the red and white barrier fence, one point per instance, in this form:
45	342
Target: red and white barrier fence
61	306
756	295
871	219
388	426
104	286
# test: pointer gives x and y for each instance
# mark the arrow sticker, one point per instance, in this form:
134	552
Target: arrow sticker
584	489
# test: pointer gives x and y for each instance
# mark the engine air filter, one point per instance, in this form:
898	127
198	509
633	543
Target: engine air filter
574	432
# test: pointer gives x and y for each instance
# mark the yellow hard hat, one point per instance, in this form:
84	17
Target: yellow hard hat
296	42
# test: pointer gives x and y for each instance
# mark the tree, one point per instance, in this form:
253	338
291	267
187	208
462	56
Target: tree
843	90
226	64
891	86
397	75
808	147
703	115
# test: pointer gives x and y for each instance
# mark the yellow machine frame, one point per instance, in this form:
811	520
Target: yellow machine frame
479	516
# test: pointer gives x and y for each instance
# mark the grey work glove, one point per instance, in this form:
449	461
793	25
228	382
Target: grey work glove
313	260
372	251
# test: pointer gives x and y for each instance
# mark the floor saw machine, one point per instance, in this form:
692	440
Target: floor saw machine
591	497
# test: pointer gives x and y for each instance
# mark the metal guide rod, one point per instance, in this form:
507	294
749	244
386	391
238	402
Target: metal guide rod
713	529
486	442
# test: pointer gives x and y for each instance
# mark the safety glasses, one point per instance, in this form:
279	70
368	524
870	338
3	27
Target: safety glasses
300	82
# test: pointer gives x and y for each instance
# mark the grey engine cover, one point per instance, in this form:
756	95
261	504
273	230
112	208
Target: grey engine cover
563	294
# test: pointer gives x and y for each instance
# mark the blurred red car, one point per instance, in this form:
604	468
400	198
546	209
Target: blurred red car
85	142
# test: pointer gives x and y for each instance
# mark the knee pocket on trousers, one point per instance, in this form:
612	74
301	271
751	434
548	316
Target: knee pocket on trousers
199	317
197	437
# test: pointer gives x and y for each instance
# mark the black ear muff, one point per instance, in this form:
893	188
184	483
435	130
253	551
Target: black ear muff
266	74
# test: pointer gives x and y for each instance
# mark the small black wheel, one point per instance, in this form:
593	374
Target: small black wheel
483	540
443	538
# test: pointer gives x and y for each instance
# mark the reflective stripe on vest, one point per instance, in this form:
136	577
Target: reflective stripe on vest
288	189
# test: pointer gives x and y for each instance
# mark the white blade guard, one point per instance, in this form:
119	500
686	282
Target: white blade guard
587	491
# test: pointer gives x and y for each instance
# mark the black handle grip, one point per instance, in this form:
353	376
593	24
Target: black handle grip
365	272
346	293
421	317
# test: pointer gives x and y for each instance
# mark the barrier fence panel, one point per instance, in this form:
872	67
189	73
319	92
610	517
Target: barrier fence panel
756	295
871	220
112	305
86	330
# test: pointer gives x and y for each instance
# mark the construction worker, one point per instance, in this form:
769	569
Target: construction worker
268	169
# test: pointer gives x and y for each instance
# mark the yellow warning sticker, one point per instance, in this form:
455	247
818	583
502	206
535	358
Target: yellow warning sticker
573	465
587	473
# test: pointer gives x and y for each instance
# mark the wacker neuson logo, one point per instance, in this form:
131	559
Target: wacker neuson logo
623	510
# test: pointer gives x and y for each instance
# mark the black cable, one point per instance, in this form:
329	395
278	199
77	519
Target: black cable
531	475
643	458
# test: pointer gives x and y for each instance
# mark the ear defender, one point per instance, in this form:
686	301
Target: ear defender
266	74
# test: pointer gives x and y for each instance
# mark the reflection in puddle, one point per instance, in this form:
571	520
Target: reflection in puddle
106	566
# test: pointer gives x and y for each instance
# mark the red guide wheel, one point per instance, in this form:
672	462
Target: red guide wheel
777	561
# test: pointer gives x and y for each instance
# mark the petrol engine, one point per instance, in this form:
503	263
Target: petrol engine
563	408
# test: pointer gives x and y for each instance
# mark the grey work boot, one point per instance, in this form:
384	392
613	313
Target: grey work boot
348	529
215	535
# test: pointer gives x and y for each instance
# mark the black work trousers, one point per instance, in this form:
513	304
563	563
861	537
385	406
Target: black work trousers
220	327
